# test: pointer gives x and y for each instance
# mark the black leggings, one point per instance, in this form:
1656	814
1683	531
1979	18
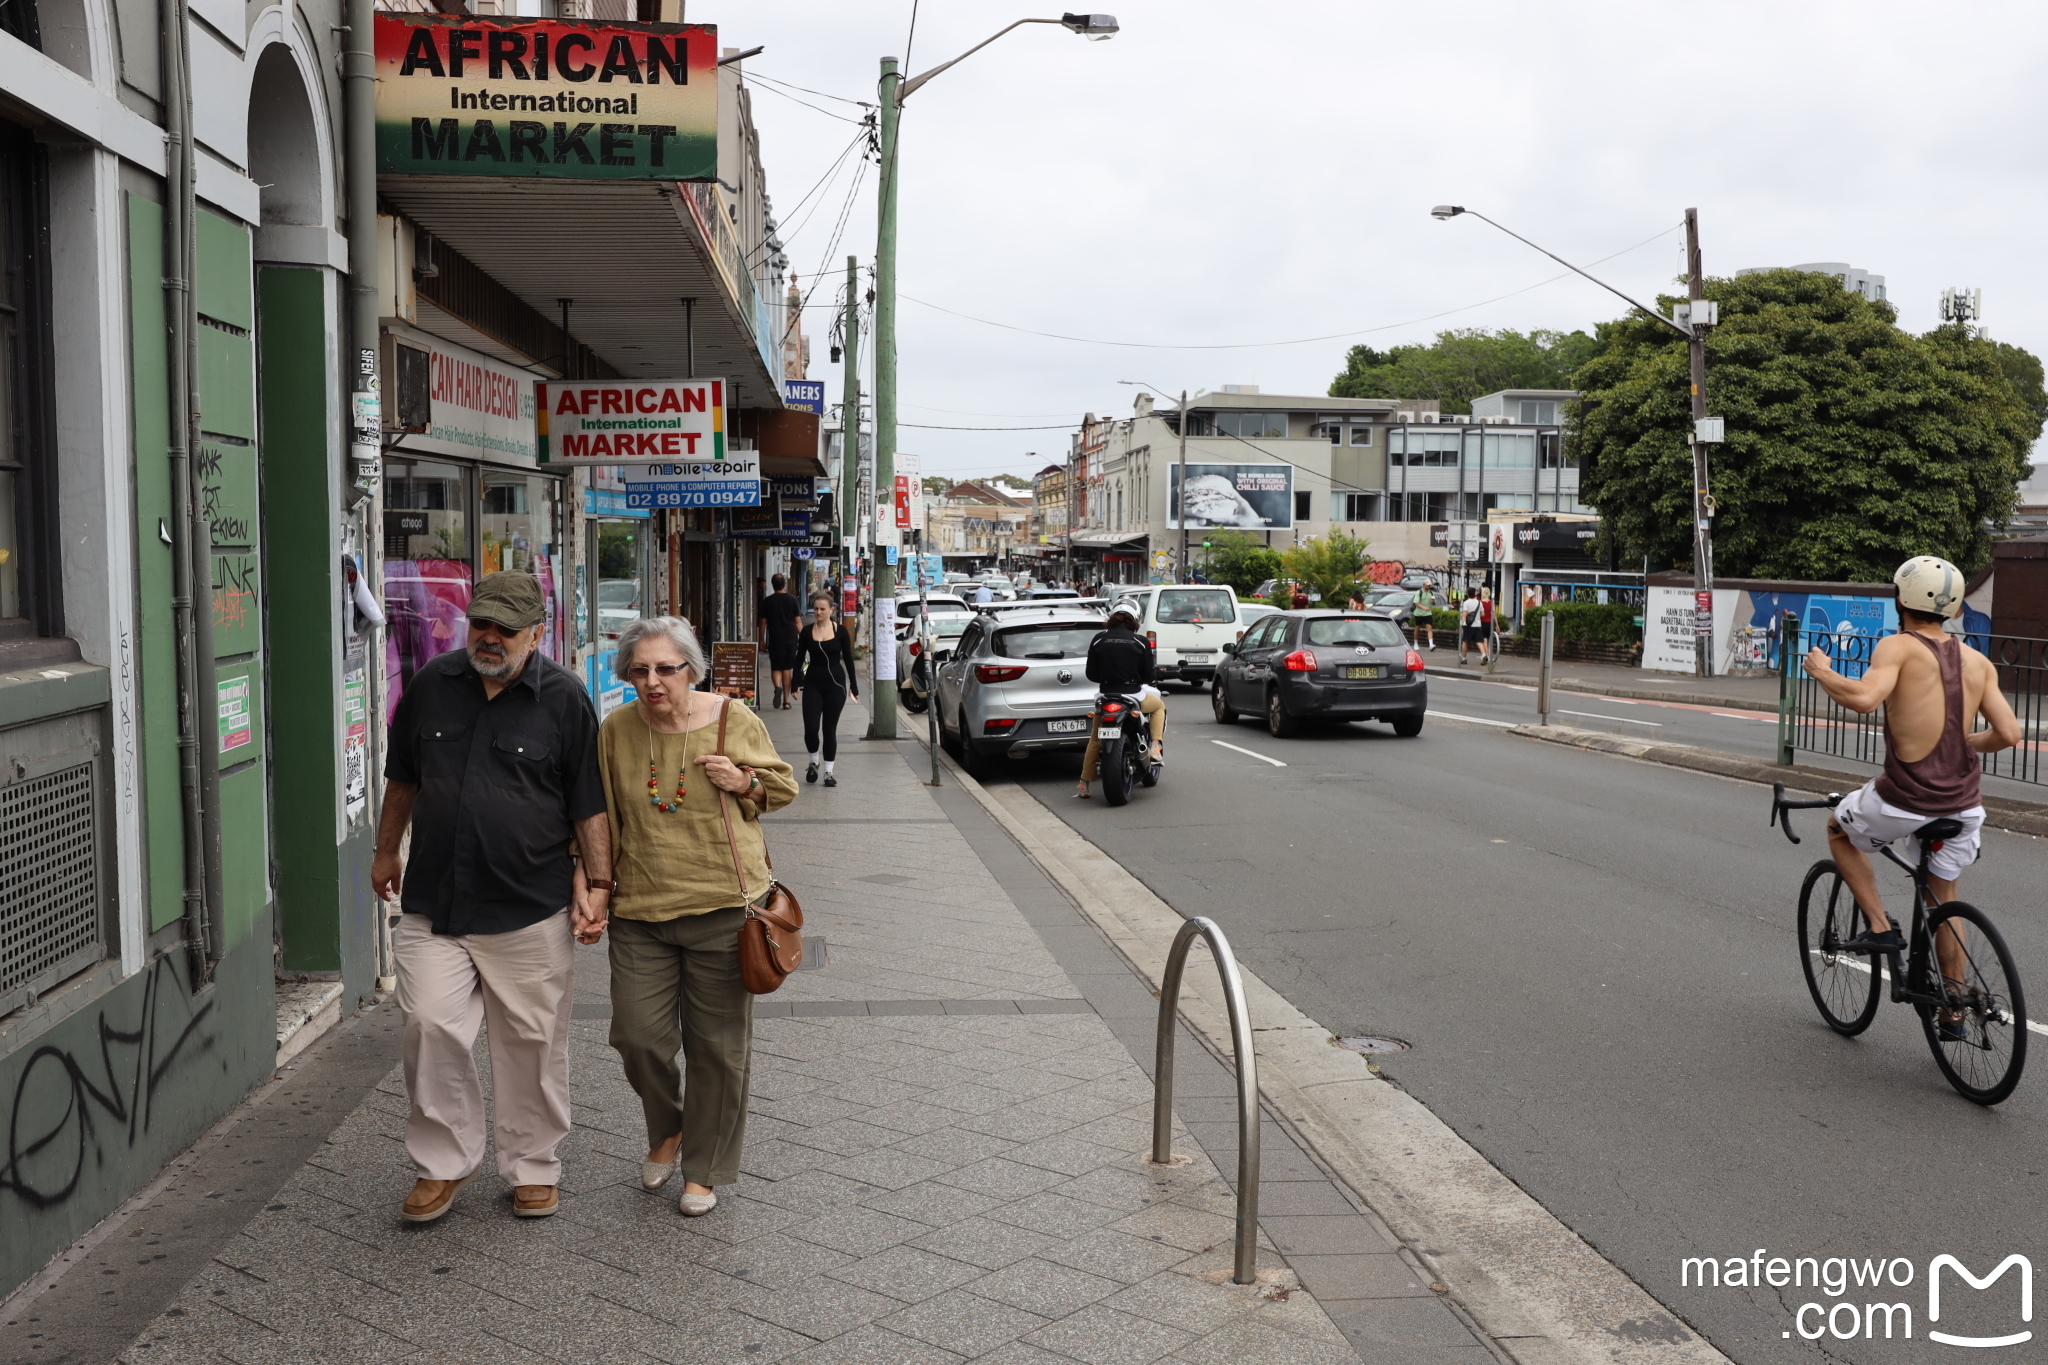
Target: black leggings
822	703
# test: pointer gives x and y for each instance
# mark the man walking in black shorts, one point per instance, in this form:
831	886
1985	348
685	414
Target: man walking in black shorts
775	629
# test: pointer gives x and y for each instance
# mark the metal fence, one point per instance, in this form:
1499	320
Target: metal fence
1812	722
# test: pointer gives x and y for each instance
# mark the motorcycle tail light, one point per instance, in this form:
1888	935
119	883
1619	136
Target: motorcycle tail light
997	727
1414	662
1300	661
994	673
1111	708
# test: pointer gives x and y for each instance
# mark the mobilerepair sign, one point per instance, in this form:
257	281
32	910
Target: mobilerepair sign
464	95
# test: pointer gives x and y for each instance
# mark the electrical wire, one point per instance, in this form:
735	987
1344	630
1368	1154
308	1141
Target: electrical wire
831	173
926	426
808	105
756	75
1297	341
911	40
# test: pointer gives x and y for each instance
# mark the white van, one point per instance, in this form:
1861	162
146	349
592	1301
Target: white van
1188	623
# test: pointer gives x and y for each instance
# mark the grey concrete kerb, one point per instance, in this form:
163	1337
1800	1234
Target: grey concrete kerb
1529	1282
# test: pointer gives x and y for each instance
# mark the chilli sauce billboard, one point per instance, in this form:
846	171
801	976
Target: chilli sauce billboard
463	95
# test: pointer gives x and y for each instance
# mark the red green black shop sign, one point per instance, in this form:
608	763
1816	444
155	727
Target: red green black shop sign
466	95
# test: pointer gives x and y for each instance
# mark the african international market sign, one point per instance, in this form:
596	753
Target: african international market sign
669	436
465	95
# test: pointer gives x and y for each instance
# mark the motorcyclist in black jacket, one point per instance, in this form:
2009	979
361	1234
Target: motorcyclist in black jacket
1122	662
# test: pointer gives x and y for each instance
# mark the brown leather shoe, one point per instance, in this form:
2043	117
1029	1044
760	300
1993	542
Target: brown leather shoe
431	1198
535	1201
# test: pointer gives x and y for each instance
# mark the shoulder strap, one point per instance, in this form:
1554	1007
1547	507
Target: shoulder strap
732	840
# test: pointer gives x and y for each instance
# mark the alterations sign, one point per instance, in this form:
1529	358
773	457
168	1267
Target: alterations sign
466	95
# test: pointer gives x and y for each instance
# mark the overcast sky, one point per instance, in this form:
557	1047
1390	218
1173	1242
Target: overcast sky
1223	174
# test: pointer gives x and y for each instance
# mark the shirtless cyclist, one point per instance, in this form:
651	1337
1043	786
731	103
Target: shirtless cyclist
1933	689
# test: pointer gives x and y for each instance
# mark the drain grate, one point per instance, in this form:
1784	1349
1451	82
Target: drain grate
1372	1046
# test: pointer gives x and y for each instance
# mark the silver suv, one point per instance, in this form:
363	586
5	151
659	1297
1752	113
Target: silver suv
1016	682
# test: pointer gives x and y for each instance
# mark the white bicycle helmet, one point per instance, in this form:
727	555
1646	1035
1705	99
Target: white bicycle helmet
1124	606
1932	585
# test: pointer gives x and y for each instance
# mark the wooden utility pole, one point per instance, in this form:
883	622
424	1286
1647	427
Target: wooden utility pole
1702	499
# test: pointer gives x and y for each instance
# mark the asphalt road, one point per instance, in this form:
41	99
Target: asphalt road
1594	960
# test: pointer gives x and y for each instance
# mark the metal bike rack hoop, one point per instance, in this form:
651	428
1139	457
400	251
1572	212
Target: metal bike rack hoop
1247	1079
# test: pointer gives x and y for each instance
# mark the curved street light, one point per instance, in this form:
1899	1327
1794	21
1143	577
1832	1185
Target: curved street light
1698	316
894	90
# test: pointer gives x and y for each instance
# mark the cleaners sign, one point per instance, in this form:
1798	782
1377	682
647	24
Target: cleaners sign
669	435
465	95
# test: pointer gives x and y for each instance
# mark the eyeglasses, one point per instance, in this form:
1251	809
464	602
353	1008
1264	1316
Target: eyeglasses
505	631
639	672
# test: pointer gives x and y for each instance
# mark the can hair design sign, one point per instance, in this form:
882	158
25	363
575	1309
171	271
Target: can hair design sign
465	95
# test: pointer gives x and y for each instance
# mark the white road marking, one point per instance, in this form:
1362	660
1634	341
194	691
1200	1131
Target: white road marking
1250	753
1755	720
1623	719
1858	964
1476	720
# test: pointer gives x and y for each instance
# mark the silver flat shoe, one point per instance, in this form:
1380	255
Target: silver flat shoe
655	1174
696	1205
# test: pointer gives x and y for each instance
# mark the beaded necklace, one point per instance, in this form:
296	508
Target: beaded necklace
682	773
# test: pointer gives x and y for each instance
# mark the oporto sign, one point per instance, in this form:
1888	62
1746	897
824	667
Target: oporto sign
1853	1286
462	95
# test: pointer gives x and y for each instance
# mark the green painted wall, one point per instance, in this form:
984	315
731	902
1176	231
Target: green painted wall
157	652
95	1106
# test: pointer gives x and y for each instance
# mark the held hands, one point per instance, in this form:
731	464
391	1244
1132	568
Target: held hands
589	909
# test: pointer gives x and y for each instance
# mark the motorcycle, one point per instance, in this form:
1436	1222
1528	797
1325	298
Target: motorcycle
1126	759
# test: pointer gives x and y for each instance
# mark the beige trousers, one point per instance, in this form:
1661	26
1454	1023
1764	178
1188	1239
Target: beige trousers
517	983
1155	720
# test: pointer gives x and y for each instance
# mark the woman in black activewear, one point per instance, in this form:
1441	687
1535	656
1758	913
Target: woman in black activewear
824	678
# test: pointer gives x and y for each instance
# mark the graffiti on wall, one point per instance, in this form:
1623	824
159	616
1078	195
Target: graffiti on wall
1386	572
72	1107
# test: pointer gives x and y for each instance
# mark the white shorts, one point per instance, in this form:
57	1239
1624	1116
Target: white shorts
1871	823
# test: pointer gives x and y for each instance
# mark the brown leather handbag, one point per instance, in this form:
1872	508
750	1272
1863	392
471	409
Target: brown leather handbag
771	936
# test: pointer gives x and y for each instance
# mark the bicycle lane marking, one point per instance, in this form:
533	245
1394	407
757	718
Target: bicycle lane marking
1864	967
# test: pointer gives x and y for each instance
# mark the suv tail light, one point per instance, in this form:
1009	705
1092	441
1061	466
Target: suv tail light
917	649
997	727
1414	662
993	673
1300	661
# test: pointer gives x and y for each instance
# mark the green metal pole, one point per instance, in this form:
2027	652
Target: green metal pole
883	706
849	423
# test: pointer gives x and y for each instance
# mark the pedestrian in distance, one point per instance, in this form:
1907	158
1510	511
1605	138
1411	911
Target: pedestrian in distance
983	594
1423	620
825	677
688	776
1486	619
775	630
1300	598
1356	602
1471	627
492	761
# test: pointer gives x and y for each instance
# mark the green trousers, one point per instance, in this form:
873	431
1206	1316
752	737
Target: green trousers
676	988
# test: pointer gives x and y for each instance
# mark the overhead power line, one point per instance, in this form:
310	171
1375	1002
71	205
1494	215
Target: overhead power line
1296	341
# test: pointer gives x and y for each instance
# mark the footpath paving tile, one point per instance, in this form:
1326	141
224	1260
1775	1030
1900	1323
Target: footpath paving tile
875	1345
1103	1336
908	1274
963	1322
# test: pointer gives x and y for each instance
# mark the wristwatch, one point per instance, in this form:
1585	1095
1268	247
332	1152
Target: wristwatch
755	774
600	883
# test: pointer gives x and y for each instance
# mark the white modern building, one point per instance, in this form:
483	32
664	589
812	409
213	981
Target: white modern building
1855	279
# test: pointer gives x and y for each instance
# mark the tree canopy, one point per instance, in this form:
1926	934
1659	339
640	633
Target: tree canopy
1851	444
1461	365
1330	564
1239	558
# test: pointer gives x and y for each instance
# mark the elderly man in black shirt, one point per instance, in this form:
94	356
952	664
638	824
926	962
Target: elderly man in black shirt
493	762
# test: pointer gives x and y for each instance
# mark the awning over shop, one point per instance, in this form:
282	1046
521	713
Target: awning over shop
1109	540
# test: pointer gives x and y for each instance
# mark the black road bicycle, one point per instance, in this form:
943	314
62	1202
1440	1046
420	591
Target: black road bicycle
1975	1019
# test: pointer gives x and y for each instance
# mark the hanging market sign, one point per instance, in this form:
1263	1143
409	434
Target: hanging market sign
668	435
465	95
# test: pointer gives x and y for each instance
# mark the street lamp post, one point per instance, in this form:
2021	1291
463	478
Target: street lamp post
1183	486
1698	316
894	90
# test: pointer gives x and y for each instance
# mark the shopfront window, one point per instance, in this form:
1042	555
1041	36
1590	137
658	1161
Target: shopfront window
620	558
427	569
519	527
24	580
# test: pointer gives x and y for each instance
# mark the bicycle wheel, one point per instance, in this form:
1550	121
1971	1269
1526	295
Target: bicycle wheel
1984	1063
1844	985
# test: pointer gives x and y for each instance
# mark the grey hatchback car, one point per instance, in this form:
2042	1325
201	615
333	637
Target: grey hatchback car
1016	683
1298	666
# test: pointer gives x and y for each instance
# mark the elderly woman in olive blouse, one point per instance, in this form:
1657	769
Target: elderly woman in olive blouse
676	904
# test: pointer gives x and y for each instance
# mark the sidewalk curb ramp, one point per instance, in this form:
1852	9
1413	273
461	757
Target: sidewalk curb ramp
1527	1280
2020	817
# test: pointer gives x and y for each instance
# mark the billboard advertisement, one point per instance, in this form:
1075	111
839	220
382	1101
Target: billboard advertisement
461	94
668	435
1246	497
